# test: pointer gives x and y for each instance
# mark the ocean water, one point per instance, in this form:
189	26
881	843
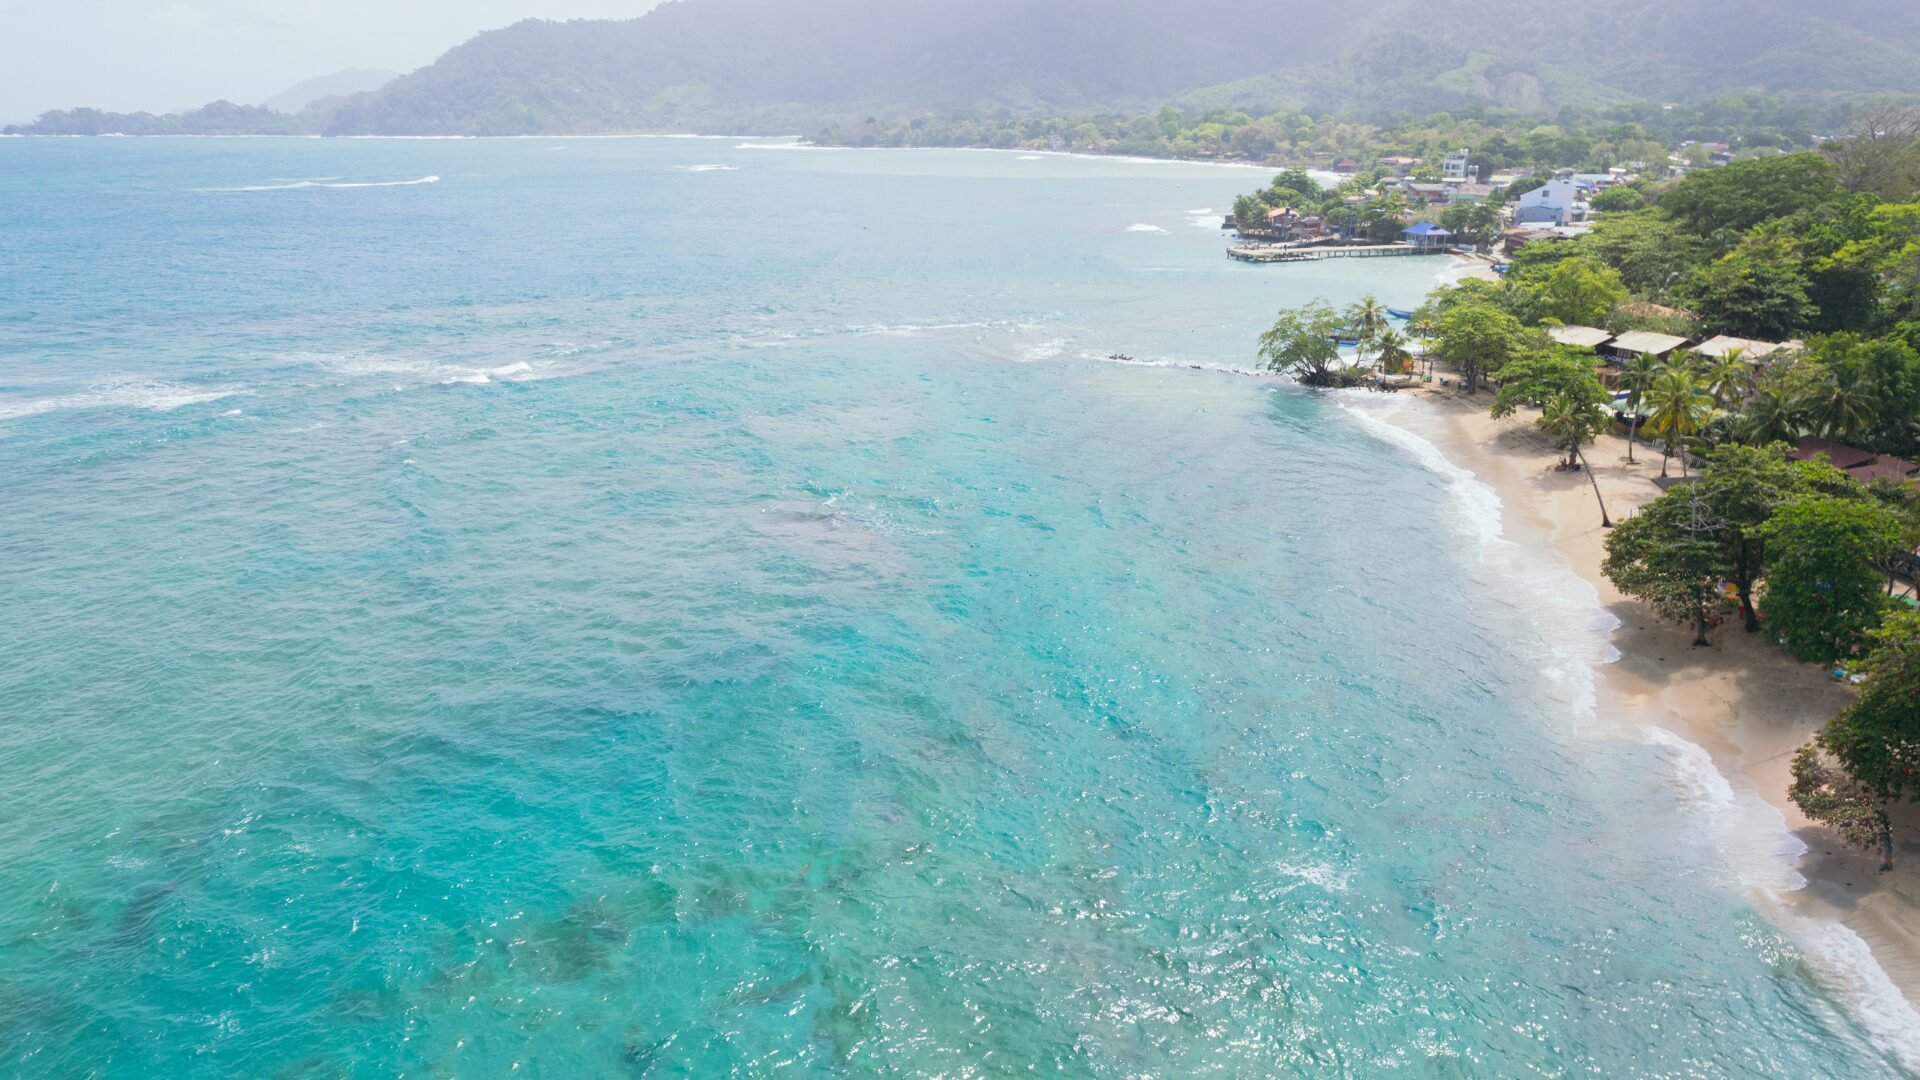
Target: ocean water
687	607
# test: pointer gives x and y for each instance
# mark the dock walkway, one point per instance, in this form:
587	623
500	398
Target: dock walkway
1303	253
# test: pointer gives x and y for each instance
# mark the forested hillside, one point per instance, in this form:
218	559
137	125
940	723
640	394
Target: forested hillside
759	66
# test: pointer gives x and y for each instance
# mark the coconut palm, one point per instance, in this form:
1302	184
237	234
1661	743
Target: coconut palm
1772	415
1677	406
1390	348
1572	421
1729	380
1366	319
1636	379
1841	405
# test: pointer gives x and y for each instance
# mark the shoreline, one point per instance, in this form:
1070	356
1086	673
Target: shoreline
1743	702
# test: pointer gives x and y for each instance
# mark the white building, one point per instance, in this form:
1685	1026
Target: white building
1555	203
1456	166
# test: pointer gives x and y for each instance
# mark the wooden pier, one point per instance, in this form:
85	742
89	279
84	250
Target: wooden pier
1314	253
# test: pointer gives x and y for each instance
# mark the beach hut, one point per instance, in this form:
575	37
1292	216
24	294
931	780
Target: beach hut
1642	343
1426	236
1754	351
1580	337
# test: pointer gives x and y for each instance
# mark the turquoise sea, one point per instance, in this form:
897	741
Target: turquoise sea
679	607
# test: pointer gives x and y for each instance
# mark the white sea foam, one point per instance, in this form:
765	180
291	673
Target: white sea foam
1145	229
1320	875
706	168
1761	853
120	394
1845	966
302	185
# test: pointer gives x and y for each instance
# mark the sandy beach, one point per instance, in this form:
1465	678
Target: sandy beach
1743	700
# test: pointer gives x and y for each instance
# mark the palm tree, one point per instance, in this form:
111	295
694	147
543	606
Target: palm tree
1366	319
1391	349
1772	415
1678	406
1636	379
1572	422
1729	380
1841	405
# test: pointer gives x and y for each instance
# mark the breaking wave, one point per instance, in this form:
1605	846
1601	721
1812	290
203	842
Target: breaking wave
300	185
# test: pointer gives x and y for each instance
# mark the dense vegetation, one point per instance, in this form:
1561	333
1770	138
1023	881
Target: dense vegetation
972	72
1589	139
1823	248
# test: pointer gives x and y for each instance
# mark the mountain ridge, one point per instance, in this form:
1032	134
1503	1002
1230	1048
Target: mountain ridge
785	66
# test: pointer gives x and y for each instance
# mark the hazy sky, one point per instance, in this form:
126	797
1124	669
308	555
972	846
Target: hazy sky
157	55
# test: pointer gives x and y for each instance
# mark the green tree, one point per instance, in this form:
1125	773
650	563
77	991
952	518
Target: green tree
1829	794
1733	199
1479	339
1876	740
1744	486
1667	556
1579	292
1617	199
1757	290
1249	212
1304	343
1474	223
1677	408
1823	584
1535	377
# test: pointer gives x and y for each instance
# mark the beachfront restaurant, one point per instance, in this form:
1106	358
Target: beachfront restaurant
1642	343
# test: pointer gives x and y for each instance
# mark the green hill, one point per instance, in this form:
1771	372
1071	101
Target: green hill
758	66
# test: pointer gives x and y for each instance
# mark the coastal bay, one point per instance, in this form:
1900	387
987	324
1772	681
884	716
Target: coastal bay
711	607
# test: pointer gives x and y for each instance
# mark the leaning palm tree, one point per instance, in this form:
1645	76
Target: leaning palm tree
1677	406
1841	405
1637	379
1572	421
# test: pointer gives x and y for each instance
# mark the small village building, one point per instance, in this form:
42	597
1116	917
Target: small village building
1458	165
1643	343
1841	455
1470	193
1753	351
1580	337
1399	166
1346	166
1426	236
1427	194
1866	466
1557	202
1514	240
1287	224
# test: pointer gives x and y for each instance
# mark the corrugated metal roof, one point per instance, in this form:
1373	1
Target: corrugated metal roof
1752	349
1644	341
1585	337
